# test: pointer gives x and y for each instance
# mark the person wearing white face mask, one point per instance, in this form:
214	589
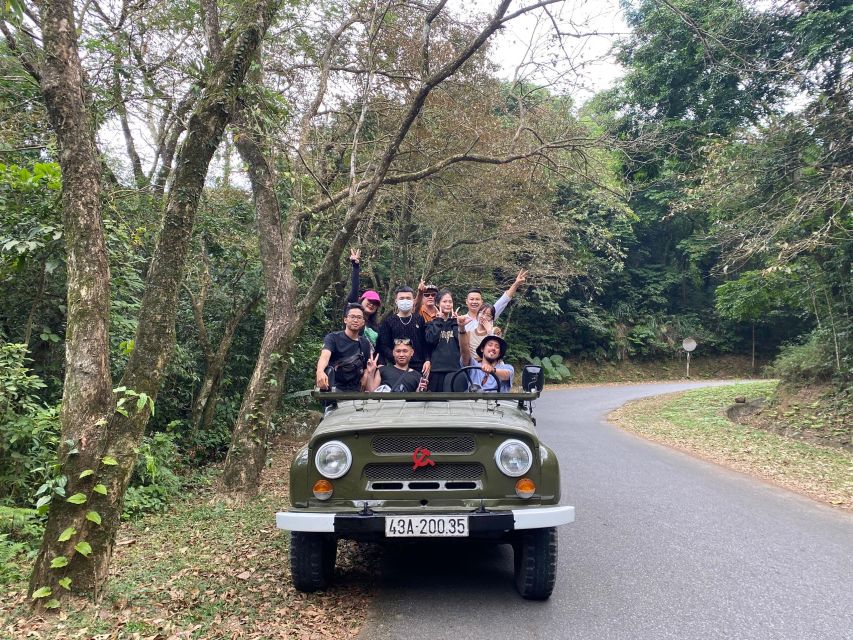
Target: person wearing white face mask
403	324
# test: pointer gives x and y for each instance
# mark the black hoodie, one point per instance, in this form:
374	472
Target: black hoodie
442	337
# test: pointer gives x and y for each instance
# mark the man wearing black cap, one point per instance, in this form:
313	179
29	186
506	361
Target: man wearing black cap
425	301
496	375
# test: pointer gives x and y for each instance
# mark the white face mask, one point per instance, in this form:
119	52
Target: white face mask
405	305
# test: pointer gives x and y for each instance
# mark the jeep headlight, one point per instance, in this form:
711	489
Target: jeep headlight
333	459
514	458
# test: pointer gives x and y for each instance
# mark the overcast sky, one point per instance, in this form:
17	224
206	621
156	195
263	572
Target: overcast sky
583	64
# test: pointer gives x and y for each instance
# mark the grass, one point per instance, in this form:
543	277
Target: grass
695	421
206	570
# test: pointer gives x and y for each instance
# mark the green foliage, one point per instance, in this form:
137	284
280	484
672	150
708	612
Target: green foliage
23	525
11	555
20	534
752	296
154	482
555	370
29	431
806	362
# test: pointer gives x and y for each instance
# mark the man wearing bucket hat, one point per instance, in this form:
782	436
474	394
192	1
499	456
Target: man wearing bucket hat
491	352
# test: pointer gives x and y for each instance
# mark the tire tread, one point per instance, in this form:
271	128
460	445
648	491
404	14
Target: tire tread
536	563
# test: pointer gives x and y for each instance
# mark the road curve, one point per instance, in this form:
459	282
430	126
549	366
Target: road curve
664	546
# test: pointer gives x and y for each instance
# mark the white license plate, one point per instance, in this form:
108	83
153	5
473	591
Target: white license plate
426	526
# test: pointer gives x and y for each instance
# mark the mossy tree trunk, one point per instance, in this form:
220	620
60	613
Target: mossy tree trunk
105	441
87	399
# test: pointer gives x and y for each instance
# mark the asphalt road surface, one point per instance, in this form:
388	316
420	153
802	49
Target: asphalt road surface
663	546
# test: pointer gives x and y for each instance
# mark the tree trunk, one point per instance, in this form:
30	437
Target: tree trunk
87	399
110	454
204	404
753	348
406	228
247	453
31	318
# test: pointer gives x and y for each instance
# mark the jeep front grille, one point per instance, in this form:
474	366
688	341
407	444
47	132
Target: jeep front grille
442	471
425	485
391	445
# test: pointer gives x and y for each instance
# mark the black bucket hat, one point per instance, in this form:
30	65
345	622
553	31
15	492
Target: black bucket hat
501	342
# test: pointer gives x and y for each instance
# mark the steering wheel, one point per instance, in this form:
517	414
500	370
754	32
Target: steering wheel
450	383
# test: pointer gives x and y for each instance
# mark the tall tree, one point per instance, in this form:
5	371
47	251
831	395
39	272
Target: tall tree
99	436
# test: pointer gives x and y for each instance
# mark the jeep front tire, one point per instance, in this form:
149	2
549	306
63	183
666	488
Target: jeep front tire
312	560
535	555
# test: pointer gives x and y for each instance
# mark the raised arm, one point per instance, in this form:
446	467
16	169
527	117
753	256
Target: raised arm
355	282
504	300
419	299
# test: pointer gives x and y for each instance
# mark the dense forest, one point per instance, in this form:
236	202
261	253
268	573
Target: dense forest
181	182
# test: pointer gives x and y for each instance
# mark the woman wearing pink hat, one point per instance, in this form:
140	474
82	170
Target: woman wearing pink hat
369	300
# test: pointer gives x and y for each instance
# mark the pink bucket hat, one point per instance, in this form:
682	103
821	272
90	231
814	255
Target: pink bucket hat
371	295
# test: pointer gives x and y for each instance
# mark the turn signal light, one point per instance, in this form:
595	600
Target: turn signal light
525	488
323	489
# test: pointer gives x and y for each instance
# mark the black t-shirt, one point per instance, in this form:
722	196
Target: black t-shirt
398	379
395	327
349	357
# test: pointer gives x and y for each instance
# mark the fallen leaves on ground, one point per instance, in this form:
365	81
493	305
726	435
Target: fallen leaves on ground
206	570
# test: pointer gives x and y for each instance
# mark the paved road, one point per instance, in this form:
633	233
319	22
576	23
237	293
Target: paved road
664	546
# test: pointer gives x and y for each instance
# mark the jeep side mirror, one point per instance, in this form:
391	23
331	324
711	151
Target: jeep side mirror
532	378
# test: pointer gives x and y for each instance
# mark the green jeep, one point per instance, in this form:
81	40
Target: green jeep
426	465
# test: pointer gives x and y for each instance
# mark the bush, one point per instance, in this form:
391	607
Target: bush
20	534
804	363
154	481
29	430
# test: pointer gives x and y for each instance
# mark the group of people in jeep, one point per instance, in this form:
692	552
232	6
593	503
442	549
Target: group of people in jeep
420	345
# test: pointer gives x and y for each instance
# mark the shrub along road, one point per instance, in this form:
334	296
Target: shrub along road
664	546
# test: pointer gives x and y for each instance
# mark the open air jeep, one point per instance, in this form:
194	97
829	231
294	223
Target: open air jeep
427	465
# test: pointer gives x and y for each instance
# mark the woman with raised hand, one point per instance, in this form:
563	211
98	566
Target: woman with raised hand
485	327
445	337
369	300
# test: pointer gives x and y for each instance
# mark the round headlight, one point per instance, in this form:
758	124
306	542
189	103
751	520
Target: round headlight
514	458
333	459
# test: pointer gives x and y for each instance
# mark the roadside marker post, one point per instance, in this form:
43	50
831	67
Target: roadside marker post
688	344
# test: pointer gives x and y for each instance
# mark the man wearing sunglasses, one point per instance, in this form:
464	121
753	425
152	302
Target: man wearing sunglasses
399	377
425	302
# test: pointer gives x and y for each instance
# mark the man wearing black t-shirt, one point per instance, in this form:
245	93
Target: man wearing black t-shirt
399	377
403	324
347	351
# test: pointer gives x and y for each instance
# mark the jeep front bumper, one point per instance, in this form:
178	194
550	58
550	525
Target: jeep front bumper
373	522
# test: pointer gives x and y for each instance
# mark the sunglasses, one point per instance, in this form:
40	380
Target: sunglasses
372	303
429	295
402	341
